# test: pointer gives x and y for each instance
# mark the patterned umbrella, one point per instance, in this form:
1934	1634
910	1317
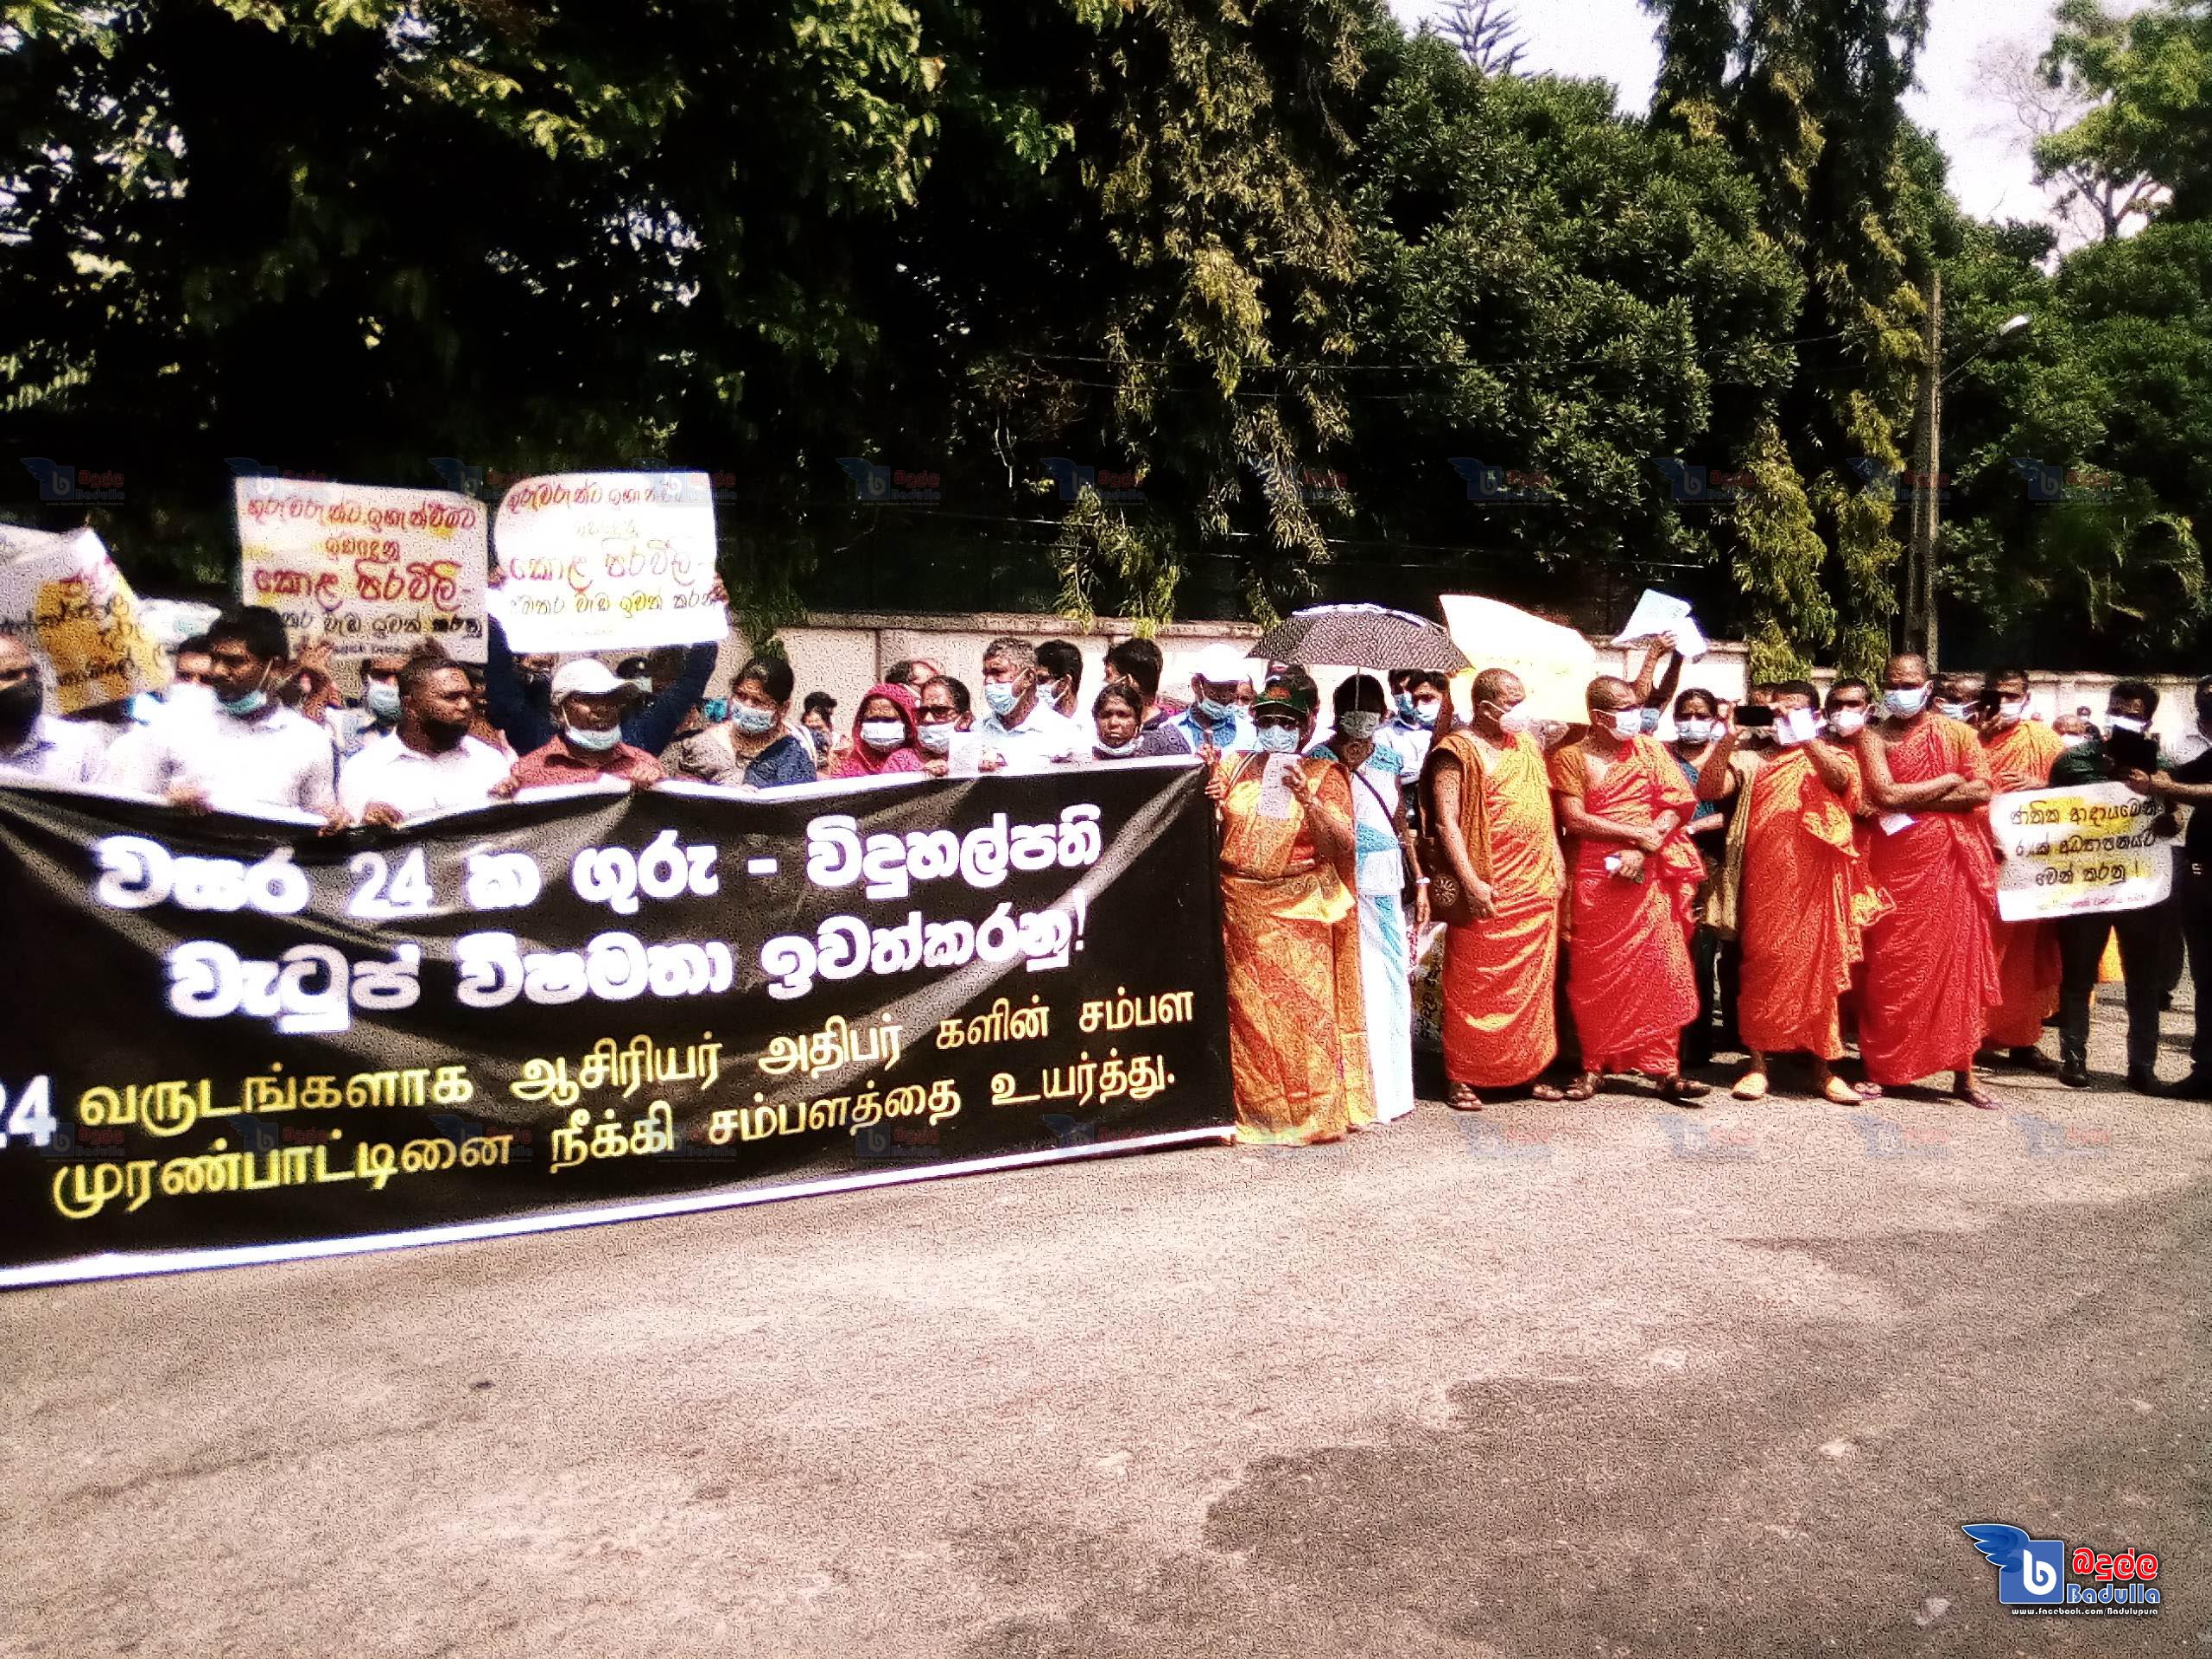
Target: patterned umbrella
1362	635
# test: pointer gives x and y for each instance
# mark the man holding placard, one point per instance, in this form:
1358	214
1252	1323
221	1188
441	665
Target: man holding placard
2020	751
2128	708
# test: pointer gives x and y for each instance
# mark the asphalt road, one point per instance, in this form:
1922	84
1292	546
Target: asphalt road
1610	1379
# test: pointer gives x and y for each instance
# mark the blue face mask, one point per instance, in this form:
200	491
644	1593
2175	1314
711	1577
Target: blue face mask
752	721
592	742
1279	740
245	707
1650	721
1001	697
382	697
1905	704
1427	714
1215	711
1404	701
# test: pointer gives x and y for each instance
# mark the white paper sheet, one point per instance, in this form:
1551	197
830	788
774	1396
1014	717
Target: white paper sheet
1656	614
1275	799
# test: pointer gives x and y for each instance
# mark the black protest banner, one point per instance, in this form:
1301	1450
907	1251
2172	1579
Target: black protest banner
230	1040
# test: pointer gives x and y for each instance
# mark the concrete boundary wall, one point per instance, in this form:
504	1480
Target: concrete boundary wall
844	653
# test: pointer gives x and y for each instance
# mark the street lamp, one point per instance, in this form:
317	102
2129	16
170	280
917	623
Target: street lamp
1920	628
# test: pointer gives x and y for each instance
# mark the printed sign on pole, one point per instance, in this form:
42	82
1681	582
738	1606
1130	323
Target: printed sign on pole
61	594
366	567
2078	850
608	561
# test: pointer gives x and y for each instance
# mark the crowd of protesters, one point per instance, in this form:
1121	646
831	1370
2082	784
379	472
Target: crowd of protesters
1794	875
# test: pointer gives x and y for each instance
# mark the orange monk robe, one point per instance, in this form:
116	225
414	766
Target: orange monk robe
1297	1057
1804	906
2027	952
1500	974
1629	978
1931	968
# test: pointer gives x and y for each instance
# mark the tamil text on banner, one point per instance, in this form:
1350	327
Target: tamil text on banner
1555	664
2072	851
608	561
365	567
232	1040
62	594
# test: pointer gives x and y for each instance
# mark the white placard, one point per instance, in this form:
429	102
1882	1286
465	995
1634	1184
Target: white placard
365	567
608	561
2078	851
1554	664
1275	799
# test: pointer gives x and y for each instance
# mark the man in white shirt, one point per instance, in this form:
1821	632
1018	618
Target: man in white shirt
33	746
249	753
428	761
1026	733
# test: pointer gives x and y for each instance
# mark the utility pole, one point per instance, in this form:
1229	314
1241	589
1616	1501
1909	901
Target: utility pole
1920	629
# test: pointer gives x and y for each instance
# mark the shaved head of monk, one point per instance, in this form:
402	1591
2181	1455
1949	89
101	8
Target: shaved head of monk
1904	671
1608	695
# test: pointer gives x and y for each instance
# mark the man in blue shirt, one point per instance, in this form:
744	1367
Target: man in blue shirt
1215	716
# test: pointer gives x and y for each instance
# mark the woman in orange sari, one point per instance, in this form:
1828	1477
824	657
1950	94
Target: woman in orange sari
1290	923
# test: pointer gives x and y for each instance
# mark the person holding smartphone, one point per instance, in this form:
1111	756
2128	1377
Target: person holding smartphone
1797	880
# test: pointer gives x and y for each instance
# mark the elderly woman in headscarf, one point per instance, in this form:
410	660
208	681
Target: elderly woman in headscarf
1290	921
886	735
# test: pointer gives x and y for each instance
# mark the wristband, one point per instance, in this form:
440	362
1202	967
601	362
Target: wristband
1420	881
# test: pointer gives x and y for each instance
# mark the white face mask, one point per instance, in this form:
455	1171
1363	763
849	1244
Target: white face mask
883	734
1694	730
1847	723
2010	712
1427	710
938	739
2122	723
189	699
2076	741
1628	722
1118	751
1516	721
1952	710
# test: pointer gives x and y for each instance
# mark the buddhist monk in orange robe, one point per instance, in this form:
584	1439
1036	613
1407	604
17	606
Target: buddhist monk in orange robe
1622	802
1491	805
1931	967
1802	903
2020	752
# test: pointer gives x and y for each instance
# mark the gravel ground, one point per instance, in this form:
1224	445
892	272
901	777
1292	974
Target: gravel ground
1609	1379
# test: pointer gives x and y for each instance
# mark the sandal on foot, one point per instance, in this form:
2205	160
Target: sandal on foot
1464	1098
1839	1093
1867	1091
1545	1091
1980	1098
1582	1087
1684	1092
1752	1085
